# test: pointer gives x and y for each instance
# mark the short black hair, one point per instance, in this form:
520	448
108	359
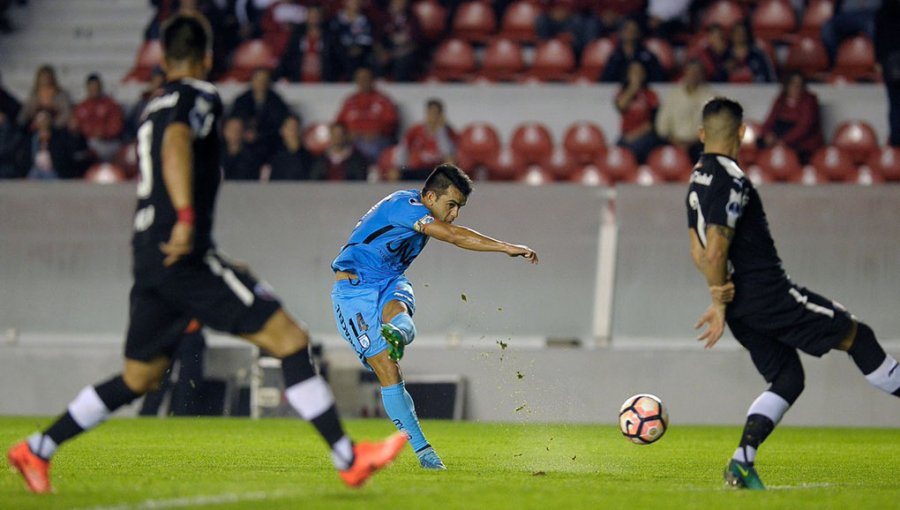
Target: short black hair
435	102
186	37
719	105
93	77
445	175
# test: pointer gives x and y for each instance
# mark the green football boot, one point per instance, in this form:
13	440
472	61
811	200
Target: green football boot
396	343
742	476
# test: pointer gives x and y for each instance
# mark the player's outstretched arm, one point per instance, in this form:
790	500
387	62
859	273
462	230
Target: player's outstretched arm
471	240
177	155
712	261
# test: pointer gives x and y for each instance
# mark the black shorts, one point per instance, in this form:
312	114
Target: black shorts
216	293
799	319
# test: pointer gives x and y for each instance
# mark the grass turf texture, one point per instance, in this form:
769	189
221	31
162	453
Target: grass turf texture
282	463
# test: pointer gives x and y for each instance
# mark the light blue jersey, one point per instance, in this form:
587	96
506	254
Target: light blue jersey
386	239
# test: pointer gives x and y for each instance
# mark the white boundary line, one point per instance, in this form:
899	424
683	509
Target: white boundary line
197	501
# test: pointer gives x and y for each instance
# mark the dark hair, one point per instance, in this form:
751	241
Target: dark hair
445	175
186	37
93	77
625	80
435	102
790	76
719	105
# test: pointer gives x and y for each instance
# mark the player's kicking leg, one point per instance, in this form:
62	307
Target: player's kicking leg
90	408
310	396
880	368
398	331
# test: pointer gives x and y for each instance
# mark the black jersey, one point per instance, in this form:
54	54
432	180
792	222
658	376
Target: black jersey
720	194
196	104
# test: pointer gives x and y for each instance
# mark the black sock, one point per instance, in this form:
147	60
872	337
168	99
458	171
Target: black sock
115	393
329	426
297	367
756	430
63	429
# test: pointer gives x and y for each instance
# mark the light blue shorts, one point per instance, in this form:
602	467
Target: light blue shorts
357	311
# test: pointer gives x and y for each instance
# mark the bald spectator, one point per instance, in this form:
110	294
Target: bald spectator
341	161
370	117
262	109
100	119
679	114
630	48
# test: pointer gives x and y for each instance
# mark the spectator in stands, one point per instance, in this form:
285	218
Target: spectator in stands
746	62
714	54
279	22
794	119
560	20
668	18
399	39
262	109
47	95
631	47
56	153
223	29
241	161
341	161
426	145
9	105
369	116
302	59
100	119
292	162
610	14
887	52
638	105
850	17
154	88
350	38
679	114
12	148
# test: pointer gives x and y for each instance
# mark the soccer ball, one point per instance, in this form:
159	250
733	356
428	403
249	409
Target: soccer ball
643	419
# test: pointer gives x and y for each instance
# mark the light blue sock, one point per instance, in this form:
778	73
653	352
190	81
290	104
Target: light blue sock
400	408
405	324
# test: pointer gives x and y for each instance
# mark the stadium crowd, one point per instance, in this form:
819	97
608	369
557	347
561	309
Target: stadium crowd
632	43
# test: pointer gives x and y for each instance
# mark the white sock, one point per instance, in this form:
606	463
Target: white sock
310	398
342	454
771	405
88	410
887	376
745	454
41	445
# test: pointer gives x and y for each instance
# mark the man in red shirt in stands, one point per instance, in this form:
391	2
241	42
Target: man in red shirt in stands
100	119
427	144
370	117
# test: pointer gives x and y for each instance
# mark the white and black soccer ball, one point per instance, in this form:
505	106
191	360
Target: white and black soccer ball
643	419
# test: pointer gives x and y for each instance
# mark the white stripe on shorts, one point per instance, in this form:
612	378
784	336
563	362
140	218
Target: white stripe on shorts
812	307
234	283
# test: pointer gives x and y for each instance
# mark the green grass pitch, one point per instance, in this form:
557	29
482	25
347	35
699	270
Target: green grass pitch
281	463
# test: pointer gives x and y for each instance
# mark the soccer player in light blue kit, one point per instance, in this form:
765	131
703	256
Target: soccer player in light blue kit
374	302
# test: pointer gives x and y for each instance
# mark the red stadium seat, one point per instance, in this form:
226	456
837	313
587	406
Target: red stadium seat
479	144
316	138
663	52
503	166
726	13
387	162
432	18
670	164
554	60
474	21
584	143
834	165
857	138
589	175
773	19
518	21
453	60
749	147
594	57
618	165
807	55
780	163
148	57
105	173
815	15
855	59
531	144
885	163
502	60
536	175
248	57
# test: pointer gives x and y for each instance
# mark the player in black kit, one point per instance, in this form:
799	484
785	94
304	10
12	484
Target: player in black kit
178	275
768	314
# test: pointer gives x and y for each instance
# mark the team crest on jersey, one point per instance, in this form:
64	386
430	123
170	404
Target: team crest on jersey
264	291
364	341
